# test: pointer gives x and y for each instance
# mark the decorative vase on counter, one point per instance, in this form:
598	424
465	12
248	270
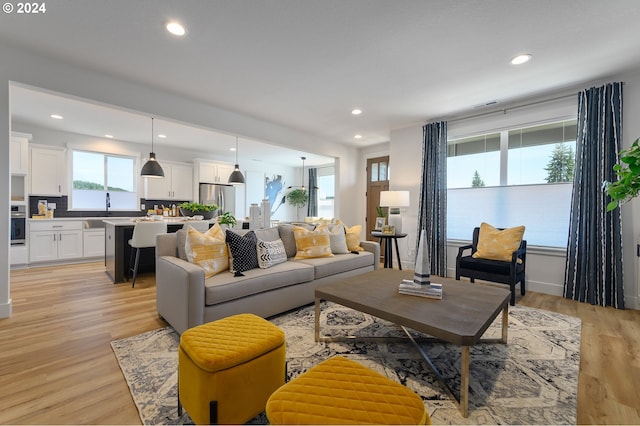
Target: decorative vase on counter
266	213
254	216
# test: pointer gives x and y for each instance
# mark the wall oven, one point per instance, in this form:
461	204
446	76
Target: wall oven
18	225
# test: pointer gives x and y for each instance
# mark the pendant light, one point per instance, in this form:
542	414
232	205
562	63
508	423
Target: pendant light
152	168
236	176
301	187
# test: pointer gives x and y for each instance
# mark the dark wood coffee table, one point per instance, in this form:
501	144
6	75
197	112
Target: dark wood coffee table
461	317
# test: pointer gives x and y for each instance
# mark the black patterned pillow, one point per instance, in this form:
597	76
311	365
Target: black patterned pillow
243	251
271	253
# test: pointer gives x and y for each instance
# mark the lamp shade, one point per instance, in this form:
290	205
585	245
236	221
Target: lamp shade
394	199
152	168
236	176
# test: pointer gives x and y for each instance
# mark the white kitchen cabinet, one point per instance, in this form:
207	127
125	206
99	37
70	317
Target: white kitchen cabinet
19	154
177	183
213	172
55	240
93	242
47	171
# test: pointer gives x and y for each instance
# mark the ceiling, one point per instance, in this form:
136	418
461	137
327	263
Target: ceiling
307	64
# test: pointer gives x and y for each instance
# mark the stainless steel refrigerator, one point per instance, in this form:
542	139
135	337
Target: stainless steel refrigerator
223	196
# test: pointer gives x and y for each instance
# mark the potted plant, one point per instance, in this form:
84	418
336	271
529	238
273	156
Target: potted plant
191	209
227	219
298	197
628	170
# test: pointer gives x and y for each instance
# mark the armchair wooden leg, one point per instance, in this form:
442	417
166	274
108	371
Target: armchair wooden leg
513	294
522	287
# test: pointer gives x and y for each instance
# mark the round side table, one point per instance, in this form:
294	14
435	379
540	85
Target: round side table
388	248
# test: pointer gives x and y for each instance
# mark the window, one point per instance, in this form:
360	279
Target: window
326	191
515	177
95	174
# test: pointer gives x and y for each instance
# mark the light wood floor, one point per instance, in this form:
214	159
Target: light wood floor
57	366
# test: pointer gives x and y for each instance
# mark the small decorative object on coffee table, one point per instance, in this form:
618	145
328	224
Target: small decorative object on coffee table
389	230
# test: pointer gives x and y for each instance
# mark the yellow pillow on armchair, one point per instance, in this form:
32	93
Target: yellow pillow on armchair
495	244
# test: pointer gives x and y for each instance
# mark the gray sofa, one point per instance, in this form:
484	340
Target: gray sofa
185	299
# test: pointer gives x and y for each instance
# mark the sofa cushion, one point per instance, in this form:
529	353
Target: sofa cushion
327	266
270	253
337	238
208	250
181	239
267	234
289	241
242	249
495	244
224	287
491	266
311	244
353	236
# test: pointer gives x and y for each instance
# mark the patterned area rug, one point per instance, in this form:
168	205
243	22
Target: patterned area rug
531	380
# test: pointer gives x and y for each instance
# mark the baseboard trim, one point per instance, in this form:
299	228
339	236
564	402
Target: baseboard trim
5	309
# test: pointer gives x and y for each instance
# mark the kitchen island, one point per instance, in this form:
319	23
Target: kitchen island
117	253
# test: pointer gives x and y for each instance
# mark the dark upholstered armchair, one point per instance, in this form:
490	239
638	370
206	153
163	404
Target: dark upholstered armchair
497	271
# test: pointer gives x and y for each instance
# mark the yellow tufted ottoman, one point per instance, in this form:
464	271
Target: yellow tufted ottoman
227	369
341	391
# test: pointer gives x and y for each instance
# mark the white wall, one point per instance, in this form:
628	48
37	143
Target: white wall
545	267
36	70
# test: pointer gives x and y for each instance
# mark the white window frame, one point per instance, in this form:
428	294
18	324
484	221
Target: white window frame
563	110
135	156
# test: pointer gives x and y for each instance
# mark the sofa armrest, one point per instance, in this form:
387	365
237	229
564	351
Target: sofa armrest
372	247
179	292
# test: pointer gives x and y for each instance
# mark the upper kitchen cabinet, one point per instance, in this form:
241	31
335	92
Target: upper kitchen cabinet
213	172
177	183
19	153
47	171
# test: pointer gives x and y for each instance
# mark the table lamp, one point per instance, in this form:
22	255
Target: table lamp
394	200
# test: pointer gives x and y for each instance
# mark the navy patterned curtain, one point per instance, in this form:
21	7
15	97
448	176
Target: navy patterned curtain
432	216
593	272
312	207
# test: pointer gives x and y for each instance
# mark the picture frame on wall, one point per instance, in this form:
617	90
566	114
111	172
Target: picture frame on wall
380	222
389	230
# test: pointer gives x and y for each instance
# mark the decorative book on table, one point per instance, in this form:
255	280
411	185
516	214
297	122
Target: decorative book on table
421	284
432	291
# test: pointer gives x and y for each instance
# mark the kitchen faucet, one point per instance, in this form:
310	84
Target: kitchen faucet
108	203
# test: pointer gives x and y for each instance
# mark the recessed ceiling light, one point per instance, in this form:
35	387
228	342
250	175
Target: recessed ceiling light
108	136
161	136
232	149
175	28
56	116
358	136
356	111
521	59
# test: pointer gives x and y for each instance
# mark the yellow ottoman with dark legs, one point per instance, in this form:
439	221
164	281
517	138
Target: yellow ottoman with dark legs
341	391
227	369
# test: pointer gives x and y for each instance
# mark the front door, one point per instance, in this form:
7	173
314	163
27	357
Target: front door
377	181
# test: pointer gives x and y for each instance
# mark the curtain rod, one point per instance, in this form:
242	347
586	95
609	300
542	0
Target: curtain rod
504	110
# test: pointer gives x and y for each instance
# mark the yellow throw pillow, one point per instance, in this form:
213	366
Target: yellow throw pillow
208	250
310	244
353	237
494	244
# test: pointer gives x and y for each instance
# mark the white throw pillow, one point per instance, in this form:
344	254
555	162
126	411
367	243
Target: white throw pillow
270	253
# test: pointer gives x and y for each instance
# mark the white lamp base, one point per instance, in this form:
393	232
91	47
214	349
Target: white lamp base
395	220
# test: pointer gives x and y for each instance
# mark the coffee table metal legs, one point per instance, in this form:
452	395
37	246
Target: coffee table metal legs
465	353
